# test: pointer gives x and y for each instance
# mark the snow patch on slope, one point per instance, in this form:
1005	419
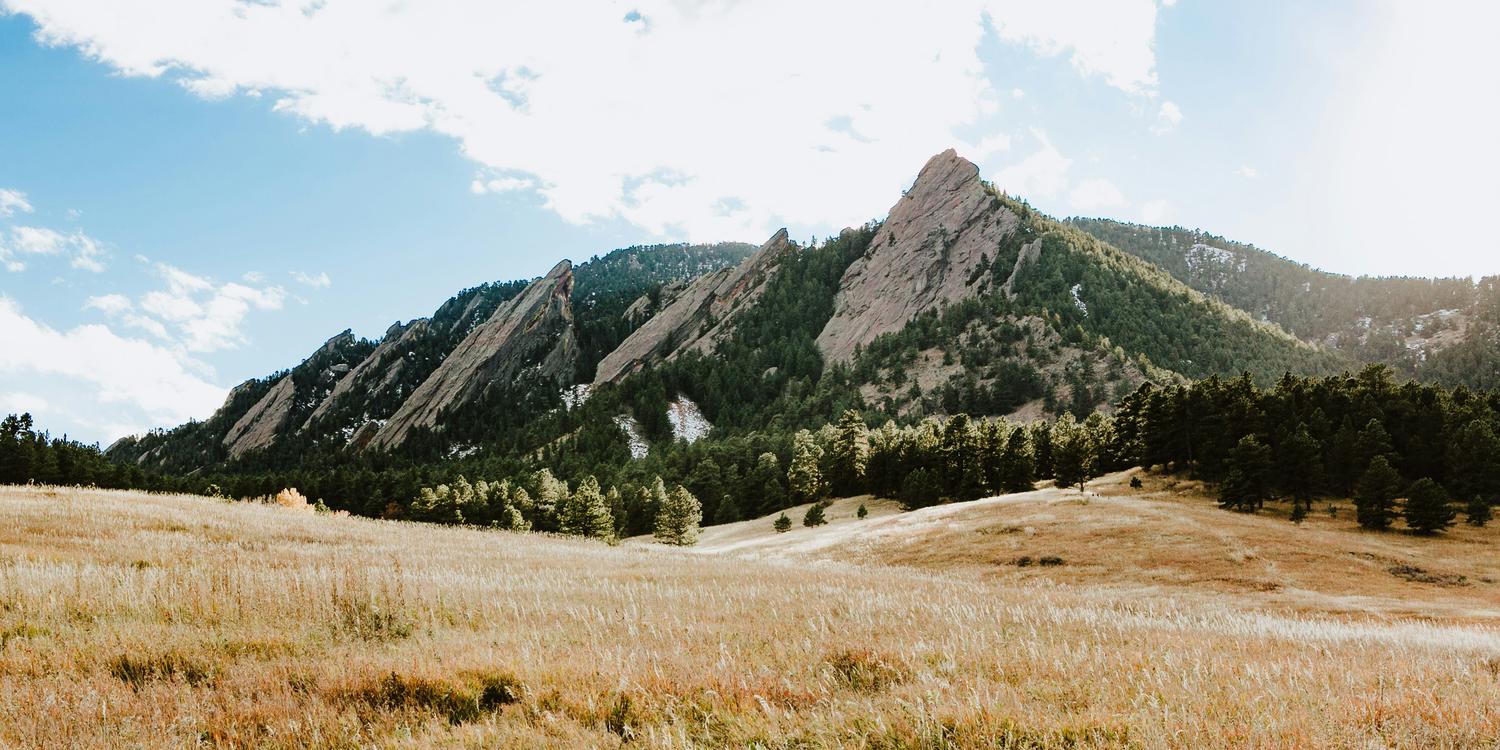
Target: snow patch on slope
633	435
688	422
1078	301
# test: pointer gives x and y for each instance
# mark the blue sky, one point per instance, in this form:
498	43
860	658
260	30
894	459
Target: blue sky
195	193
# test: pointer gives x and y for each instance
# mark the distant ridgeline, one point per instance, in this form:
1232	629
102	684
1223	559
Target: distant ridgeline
961	301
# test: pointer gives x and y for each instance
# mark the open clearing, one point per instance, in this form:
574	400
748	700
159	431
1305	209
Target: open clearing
132	620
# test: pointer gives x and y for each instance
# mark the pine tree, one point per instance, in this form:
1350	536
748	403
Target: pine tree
728	510
814	516
678	519
1477	511
1342	472
1427	509
1072	453
804	479
849	454
1373	441
862	512
1301	469
782	523
1247	482
1017	471
1474	462
551	493
1375	495
767	481
586	513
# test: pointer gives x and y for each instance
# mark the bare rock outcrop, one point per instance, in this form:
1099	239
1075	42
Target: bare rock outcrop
260	425
373	373
531	331
697	316
931	249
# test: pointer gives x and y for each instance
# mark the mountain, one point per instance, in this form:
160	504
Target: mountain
1419	327
963	299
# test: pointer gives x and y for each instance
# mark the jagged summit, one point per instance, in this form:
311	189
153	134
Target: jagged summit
930	250
697	316
533	330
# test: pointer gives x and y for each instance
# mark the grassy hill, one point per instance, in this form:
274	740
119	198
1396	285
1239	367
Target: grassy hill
173	621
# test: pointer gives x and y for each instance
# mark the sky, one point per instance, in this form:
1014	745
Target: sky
198	192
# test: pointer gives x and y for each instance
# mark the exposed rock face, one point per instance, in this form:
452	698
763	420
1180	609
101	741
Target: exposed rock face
374	373
259	426
533	330
696	317
929	251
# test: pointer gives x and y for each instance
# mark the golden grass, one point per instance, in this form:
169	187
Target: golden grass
133	620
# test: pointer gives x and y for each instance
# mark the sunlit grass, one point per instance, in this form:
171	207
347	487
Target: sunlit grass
157	621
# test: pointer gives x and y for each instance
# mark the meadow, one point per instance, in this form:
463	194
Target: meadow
139	620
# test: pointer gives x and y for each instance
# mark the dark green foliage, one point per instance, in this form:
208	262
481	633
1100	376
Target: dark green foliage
1477	512
1375	497
28	454
1427	508
814	515
782	523
862	512
1299	465
1247	483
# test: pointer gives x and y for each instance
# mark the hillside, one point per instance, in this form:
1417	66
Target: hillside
1417	326
191	622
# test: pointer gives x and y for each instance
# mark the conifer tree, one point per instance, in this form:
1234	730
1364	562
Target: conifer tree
768	484
1247	482
862	512
728	510
782	523
1373	441
551	493
1301	469
1072	453
804	479
1474	462
1342	472
1477	511
1376	493
1427	509
1017	471
678	519
814	516
849	452
586	513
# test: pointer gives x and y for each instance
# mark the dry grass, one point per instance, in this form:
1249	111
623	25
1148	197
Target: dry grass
134	620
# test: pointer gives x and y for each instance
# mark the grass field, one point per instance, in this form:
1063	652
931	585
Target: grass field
133	620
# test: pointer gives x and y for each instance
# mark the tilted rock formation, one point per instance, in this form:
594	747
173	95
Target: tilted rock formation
930	250
697	316
259	426
532	330
375	372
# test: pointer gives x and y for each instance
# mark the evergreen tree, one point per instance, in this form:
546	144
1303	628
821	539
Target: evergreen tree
706	482
782	523
1376	493
848	454
814	515
677	521
1373	441
728	511
1247	483
804	479
919	489
1341	459
862	512
1017	471
768	483
1301	467
1474	462
1477	511
586	513
551	493
1073	453
1427	509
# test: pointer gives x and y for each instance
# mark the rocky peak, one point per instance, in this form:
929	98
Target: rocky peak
531	330
698	316
258	427
930	250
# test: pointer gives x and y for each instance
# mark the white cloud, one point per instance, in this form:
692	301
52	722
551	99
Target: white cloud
1167	118
12	201
1156	212
1248	172
20	402
601	115
501	185
86	252
253	277
1043	174
319	280
130	378
1095	193
192	313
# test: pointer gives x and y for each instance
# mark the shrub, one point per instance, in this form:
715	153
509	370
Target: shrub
291	499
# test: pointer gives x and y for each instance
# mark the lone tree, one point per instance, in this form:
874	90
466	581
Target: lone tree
1427	509
586	513
678	518
1477	511
862	512
814	516
1375	495
804	479
782	523
849	454
1247	484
